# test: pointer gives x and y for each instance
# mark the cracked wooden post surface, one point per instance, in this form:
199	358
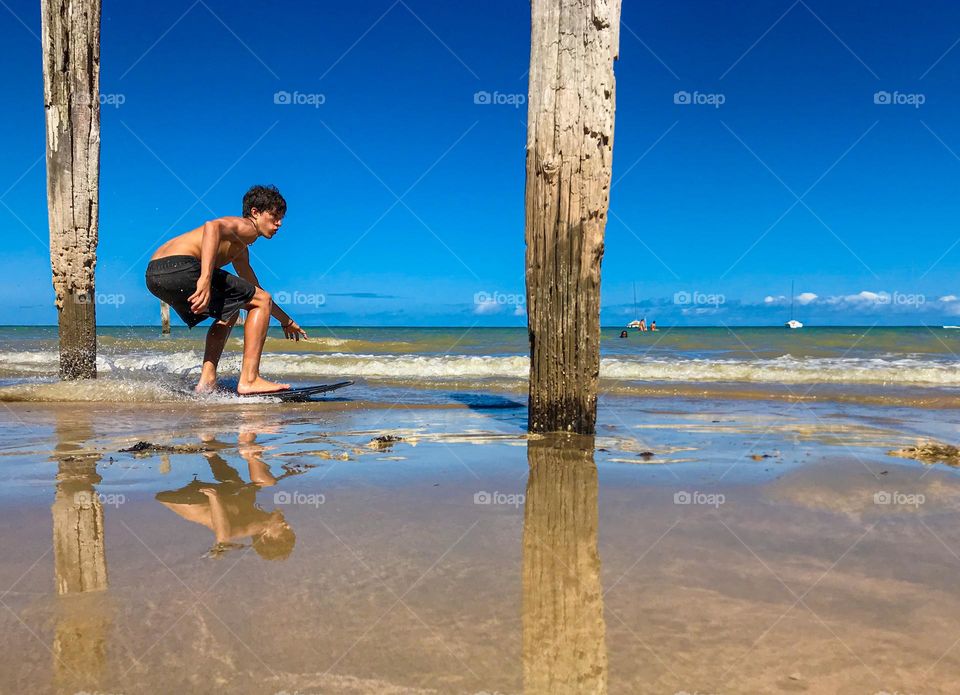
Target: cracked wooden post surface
71	94
569	158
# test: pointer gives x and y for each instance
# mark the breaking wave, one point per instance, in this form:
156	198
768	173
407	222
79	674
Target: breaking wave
782	370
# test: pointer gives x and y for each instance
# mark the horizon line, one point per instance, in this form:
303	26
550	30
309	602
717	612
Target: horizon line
454	326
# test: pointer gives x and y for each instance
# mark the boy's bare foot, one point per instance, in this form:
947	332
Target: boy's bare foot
260	385
206	386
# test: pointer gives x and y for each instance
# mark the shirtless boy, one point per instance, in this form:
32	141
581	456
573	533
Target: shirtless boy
187	273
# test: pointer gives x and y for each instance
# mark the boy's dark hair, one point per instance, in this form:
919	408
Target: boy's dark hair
264	199
276	547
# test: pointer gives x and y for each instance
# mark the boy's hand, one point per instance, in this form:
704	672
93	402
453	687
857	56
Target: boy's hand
292	331
200	300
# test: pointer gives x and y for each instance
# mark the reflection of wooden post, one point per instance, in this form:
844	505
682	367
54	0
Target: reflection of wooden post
78	550
80	643
164	318
564	634
569	163
71	96
80	566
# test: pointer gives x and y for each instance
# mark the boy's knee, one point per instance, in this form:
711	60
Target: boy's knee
262	297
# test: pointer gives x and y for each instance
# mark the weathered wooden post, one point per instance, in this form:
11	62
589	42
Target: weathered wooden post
164	318
71	94
570	118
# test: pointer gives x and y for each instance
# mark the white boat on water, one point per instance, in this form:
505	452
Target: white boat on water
633	324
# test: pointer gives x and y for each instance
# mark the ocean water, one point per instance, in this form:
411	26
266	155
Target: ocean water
917	365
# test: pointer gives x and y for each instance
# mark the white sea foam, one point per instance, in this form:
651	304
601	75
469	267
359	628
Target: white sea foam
783	370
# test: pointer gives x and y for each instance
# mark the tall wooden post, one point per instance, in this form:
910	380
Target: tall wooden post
71	93
164	318
570	118
564	633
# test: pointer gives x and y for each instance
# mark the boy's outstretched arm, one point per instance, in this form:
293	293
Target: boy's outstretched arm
290	327
218	515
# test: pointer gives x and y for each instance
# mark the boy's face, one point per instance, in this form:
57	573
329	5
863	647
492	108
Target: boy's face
267	222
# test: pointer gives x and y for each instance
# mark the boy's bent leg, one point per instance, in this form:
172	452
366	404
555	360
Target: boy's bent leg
254	334
217	336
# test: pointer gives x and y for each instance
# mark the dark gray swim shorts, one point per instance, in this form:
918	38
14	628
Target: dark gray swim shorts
174	278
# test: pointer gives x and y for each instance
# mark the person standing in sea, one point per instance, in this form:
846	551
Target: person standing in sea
187	273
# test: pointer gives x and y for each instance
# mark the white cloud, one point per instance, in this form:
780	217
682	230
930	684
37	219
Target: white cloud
486	308
867	297
872	301
701	310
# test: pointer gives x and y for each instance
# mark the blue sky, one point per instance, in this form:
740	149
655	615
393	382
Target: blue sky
406	197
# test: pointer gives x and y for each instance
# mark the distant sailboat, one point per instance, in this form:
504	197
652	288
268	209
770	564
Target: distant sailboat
636	322
792	323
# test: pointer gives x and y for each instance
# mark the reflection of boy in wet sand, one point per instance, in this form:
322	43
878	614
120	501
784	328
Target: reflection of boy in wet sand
229	506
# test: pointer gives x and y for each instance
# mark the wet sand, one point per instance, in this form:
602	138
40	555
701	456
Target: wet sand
699	547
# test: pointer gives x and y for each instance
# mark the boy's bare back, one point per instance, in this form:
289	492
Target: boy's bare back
236	233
